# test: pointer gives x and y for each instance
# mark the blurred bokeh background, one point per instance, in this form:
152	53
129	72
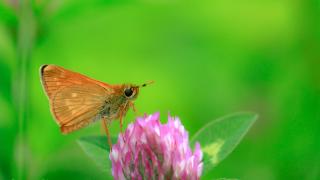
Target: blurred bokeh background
208	58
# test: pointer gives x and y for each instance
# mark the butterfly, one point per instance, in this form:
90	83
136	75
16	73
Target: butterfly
77	100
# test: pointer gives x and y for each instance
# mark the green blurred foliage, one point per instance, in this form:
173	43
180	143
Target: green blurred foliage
207	57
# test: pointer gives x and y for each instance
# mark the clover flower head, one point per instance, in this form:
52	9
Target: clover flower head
151	150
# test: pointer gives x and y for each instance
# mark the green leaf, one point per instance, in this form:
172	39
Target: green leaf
98	149
220	137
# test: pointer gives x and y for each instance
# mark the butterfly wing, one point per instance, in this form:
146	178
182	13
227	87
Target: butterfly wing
75	100
54	78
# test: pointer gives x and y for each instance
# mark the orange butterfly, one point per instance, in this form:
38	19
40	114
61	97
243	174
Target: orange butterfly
77	100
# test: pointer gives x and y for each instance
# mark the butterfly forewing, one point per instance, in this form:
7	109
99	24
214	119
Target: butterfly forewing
54	78
75	99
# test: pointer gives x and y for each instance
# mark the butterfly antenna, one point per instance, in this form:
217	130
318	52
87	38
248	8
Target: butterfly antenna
147	83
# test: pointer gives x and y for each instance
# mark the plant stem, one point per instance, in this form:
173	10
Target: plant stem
25	40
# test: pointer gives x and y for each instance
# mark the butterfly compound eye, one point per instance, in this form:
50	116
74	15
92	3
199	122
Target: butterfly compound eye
128	92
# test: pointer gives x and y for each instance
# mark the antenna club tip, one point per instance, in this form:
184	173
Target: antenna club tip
147	83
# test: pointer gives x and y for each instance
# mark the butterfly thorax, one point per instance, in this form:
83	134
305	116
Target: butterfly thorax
114	107
117	102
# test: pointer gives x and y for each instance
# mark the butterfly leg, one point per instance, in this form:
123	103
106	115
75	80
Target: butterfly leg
121	124
121	121
131	104
105	125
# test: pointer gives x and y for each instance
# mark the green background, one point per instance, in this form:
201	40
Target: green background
208	58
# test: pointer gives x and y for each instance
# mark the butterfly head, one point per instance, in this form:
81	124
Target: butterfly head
131	91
